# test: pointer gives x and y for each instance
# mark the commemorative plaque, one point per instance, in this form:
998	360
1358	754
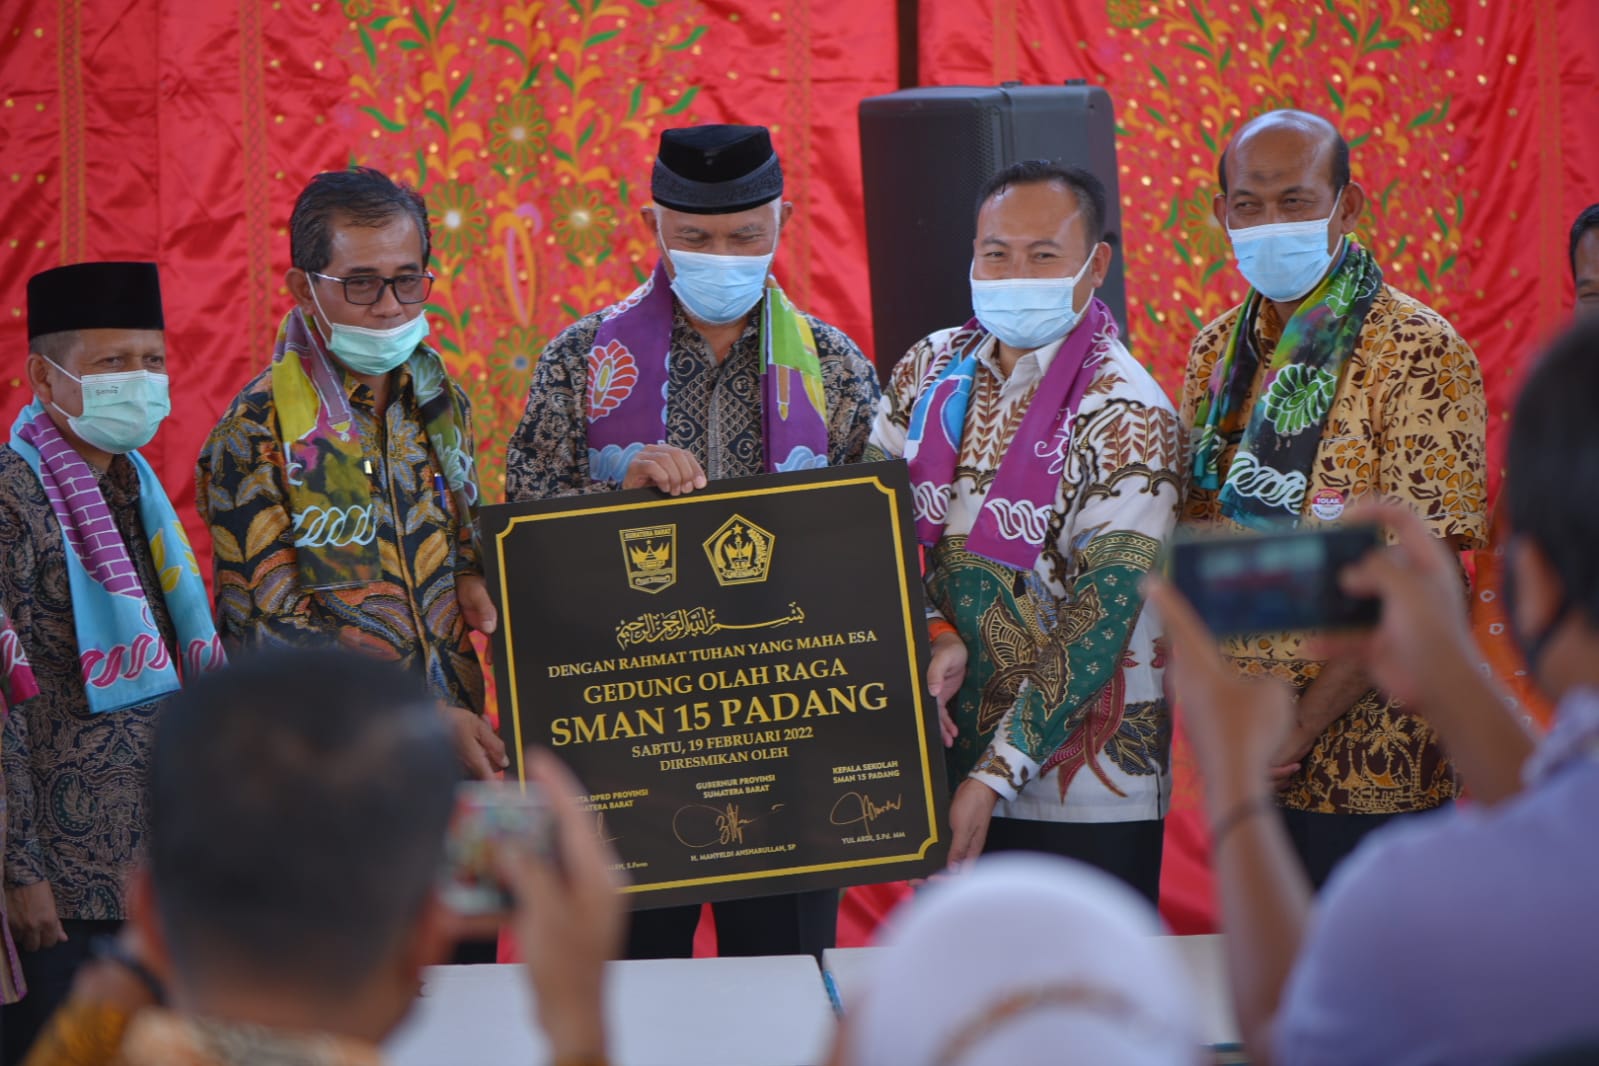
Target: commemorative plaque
736	675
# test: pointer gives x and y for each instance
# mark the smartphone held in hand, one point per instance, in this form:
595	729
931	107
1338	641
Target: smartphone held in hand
1246	584
488	816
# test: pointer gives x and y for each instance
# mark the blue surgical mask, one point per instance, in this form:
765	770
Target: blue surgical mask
1285	260
372	352
718	289
121	412
1028	313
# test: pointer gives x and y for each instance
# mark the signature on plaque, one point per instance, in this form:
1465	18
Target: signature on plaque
857	808
703	825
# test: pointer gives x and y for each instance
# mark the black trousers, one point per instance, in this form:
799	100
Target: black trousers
1325	840
49	974
802	923
1130	851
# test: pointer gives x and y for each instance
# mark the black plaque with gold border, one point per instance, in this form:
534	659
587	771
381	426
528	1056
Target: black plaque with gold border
737	676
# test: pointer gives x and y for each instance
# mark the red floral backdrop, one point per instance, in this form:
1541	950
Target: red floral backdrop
181	132
1470	124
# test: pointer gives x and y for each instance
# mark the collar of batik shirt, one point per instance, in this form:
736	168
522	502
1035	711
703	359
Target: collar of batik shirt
1029	369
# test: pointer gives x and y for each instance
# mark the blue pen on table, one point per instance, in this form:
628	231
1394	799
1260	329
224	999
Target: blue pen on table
444	496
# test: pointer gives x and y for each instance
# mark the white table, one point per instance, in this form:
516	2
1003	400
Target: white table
672	1012
848	971
1206	960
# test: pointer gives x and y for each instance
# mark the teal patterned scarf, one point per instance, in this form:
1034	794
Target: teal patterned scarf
1266	484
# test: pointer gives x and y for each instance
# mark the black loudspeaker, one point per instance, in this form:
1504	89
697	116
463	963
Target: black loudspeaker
925	153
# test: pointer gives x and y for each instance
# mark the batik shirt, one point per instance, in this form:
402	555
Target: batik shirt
410	614
75	781
161	1038
81	1032
1407	424
16	684
1076	616
713	410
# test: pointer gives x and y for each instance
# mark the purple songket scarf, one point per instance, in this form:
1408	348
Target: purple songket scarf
628	380
1014	518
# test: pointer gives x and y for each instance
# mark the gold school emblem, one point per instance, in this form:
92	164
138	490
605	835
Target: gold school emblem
740	552
650	553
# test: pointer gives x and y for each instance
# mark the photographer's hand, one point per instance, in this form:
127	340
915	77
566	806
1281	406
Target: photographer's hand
1236	726
1421	652
569	918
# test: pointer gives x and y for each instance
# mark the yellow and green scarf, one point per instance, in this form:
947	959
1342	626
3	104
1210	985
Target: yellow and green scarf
1265	486
330	492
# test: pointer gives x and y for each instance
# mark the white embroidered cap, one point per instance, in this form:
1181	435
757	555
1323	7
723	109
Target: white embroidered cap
1026	958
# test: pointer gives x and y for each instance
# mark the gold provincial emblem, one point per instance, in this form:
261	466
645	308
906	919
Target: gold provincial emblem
740	552
650	553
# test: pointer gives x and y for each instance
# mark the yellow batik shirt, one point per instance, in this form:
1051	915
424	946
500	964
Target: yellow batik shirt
161	1038
1407	425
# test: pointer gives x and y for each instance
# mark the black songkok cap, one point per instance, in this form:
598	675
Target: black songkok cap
95	296
716	170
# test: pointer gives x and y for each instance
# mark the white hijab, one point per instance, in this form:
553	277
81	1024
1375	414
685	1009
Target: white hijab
1026	959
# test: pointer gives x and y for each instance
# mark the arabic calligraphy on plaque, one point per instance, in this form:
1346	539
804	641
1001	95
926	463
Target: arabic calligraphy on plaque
656	627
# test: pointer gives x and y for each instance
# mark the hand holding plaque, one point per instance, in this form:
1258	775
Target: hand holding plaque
672	470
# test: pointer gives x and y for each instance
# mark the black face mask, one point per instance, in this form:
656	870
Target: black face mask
1533	645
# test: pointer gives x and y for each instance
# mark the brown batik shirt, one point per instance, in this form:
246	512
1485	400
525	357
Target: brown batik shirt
1407	424
75	781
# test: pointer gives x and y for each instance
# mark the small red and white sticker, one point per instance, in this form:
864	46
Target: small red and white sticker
1327	505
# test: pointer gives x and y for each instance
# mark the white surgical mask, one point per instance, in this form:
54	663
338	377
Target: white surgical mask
372	351
121	411
1028	313
1285	260
718	289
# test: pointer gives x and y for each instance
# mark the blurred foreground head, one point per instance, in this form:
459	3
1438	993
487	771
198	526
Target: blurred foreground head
1026	958
1552	466
298	811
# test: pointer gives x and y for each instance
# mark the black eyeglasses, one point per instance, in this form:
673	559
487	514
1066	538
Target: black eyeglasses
368	288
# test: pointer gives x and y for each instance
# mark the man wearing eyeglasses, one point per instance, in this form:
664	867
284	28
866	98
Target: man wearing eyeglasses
340	485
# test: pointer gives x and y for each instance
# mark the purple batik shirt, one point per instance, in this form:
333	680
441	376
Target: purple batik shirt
1464	936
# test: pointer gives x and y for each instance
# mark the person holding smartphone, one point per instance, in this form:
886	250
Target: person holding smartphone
1466	935
295	883
1487	604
